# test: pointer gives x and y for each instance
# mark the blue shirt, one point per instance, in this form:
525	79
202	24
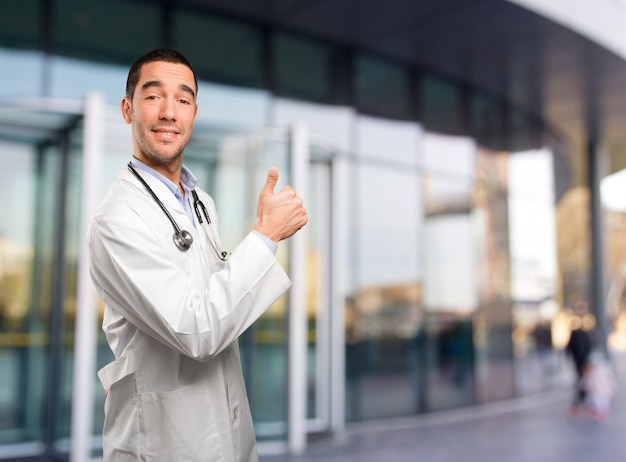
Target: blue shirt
188	181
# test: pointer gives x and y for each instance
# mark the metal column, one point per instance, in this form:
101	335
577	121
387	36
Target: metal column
86	321
298	317
598	286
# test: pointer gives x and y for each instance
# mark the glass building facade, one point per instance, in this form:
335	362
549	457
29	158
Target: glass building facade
431	258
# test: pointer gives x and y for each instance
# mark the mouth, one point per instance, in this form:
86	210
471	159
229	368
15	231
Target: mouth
166	132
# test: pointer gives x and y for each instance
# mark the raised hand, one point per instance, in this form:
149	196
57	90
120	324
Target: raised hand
281	214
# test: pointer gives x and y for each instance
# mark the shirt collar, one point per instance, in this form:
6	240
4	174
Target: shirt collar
187	179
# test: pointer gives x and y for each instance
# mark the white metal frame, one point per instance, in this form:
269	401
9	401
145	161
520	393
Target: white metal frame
85	344
330	367
298	322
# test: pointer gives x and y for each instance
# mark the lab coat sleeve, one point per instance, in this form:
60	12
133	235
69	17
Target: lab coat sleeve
197	315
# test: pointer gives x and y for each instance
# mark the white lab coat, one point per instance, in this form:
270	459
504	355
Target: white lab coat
175	392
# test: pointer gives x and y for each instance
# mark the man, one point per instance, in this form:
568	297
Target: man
175	302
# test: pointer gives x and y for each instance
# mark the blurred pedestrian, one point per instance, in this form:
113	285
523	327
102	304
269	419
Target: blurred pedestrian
599	385
579	348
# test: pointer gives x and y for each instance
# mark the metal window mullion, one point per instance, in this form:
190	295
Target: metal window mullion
338	264
323	324
298	322
55	362
85	343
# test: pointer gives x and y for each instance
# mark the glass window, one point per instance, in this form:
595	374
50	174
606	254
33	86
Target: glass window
220	49
227	106
20	397
382	88
20	73
492	320
384	313
27	278
106	28
75	79
486	121
441	106
450	156
449	261
302	68
330	122
388	140
450	281
20	24
534	282
524	134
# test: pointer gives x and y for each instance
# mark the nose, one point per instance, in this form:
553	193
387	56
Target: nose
168	109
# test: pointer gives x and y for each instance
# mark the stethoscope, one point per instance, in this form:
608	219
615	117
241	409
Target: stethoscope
182	238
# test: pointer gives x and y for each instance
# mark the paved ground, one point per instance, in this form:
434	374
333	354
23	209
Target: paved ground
531	429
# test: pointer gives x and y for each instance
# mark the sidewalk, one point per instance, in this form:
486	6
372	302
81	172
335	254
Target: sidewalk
529	429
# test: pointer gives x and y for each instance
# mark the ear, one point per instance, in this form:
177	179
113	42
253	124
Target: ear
126	110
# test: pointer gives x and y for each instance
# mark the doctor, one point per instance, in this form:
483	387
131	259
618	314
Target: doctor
176	303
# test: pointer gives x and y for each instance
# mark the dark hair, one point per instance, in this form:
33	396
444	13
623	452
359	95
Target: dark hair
161	54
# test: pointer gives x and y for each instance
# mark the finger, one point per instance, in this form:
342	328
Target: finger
272	179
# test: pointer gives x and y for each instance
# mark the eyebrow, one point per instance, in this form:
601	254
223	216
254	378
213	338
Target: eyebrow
158	83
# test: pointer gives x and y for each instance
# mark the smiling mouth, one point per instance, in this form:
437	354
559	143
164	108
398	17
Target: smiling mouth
165	133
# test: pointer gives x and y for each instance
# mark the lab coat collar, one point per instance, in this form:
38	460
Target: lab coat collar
161	188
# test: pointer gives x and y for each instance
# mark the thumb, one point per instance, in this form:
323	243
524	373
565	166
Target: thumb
272	179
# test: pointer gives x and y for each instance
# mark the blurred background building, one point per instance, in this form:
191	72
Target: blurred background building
450	153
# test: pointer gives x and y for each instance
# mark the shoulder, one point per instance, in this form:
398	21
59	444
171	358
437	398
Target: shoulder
125	207
123	197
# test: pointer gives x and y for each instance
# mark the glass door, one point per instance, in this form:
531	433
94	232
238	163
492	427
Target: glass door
23	337
36	282
232	167
41	150
39	257
319	271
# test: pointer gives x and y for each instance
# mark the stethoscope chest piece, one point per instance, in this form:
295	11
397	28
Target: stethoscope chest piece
182	240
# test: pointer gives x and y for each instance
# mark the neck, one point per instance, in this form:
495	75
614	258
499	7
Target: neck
169	169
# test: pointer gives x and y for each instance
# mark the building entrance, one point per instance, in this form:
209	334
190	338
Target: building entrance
39	153
49	354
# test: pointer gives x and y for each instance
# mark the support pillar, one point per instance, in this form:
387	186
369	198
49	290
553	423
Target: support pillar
597	303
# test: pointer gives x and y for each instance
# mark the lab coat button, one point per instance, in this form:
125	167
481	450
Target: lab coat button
235	413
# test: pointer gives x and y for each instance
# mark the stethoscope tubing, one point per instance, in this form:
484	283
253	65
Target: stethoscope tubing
182	238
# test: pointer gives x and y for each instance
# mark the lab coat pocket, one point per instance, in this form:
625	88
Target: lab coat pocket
178	426
121	432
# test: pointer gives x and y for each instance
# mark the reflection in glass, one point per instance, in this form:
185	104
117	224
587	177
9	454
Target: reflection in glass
22	363
384	313
492	320
450	295
534	282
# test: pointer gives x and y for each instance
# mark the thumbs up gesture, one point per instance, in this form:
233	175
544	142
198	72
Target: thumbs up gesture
279	215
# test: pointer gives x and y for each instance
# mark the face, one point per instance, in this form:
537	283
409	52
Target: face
162	113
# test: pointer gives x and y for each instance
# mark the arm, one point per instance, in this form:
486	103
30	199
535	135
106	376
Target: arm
191	309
